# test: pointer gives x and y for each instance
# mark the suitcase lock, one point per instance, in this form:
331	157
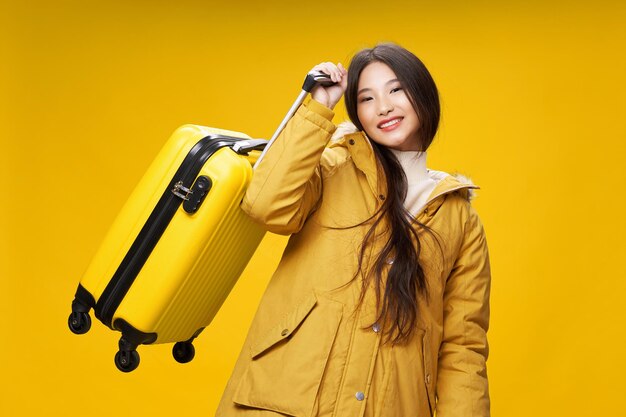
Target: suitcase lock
193	198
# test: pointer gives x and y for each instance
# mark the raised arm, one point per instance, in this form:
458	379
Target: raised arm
286	185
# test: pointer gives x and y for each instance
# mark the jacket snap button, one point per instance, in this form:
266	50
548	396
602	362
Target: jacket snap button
382	197
376	327
285	332
360	396
428	378
351	141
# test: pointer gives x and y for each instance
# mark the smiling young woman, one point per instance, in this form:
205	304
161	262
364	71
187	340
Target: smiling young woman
384	109
380	304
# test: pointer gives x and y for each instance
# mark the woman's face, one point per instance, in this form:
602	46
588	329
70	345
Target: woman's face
384	109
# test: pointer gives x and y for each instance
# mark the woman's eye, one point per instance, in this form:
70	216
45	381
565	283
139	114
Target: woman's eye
363	99
396	89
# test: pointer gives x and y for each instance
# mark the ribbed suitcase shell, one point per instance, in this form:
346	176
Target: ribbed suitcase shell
199	256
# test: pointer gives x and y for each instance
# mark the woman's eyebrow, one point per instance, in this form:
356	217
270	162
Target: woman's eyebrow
362	90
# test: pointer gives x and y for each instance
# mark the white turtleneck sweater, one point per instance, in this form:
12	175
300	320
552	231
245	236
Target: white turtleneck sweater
419	184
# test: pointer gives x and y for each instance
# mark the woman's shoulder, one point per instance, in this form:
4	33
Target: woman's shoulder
464	193
337	154
454	191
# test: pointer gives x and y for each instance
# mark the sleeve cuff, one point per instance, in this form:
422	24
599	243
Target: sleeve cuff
319	108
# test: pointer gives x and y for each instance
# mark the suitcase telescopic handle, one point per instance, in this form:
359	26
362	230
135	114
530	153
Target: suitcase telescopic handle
316	77
312	79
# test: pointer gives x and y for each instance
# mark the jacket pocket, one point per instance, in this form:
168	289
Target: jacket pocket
287	363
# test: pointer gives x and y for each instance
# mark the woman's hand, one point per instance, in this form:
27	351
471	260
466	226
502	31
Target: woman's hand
329	96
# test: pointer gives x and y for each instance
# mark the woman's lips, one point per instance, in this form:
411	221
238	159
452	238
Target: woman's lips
389	124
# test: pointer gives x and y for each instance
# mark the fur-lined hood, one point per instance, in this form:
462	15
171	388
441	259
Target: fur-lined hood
467	189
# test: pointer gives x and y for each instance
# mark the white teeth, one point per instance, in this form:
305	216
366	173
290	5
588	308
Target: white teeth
390	123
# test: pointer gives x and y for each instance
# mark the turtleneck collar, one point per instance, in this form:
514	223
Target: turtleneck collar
420	185
414	165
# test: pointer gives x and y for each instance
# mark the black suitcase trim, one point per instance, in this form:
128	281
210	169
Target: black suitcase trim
155	226
83	300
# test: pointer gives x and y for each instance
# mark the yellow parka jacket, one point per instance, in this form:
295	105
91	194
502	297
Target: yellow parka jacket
310	351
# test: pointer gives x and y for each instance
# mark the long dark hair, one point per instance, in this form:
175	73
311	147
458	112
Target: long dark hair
397	294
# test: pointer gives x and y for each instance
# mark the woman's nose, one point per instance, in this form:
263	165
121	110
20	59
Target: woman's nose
384	107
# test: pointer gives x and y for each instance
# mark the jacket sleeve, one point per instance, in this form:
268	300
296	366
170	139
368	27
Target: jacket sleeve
286	185
462	388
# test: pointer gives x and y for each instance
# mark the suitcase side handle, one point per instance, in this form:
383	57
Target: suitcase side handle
243	147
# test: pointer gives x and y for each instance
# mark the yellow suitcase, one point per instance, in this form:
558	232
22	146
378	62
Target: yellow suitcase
179	244
176	248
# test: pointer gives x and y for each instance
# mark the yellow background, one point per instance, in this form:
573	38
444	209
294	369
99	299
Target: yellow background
534	110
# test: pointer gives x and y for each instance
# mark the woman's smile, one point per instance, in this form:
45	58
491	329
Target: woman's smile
390	124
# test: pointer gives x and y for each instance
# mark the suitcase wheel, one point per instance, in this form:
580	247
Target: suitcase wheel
127	358
183	352
79	322
127	361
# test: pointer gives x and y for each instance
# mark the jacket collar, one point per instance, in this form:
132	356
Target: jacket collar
362	153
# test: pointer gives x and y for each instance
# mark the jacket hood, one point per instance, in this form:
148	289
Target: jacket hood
343	129
465	186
